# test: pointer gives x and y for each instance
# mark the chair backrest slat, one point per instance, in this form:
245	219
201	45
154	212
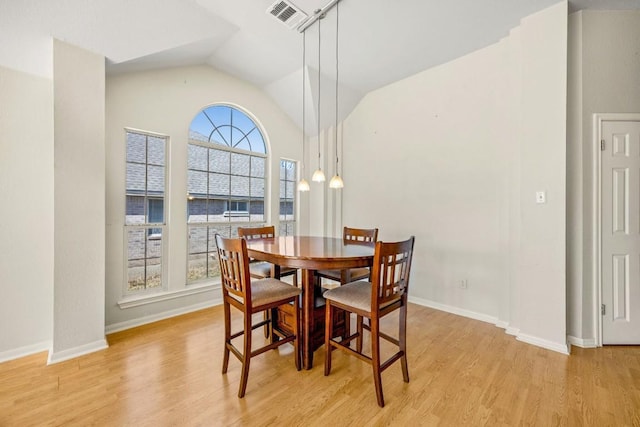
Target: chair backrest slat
234	267
363	236
254	233
390	271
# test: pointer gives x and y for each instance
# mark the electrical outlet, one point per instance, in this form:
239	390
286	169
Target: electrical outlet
464	284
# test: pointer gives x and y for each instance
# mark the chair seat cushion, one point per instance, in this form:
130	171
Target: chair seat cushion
354	294
262	269
265	291
354	274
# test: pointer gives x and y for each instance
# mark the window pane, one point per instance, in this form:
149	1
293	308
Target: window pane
200	128
291	171
155	150
257	166
222	135
240	164
216	209
144	260
290	190
287	196
219	161
155	179
197	210
257	143
242	121
156	211
242	143
136	177
257	187
196	182
256	209
197	267
197	240
136	147
135	210
197	157
218	184
239	186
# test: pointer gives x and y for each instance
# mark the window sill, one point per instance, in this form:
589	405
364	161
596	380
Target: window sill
138	300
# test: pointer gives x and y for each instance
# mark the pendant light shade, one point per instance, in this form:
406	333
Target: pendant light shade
318	176
336	182
303	185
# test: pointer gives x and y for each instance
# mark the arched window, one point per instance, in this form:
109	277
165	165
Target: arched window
226	180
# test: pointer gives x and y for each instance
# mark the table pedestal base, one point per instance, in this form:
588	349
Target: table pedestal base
283	320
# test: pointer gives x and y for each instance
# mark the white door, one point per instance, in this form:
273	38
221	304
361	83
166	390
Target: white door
621	232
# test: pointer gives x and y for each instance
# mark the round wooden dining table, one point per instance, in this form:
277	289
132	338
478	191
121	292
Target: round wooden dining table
310	253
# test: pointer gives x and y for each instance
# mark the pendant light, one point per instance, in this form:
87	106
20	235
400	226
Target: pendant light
336	181
303	185
318	175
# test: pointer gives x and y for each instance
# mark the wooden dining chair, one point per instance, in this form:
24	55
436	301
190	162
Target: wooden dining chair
386	292
264	269
352	236
251	296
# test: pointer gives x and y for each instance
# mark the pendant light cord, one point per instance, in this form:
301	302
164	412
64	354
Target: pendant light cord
304	56
336	125
319	92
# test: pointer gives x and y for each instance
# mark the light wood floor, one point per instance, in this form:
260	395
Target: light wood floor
463	372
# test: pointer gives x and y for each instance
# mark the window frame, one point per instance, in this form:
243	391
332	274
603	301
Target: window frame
150	228
232	223
283	228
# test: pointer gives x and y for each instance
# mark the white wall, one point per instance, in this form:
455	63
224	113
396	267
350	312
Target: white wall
165	102
542	134
605	75
454	155
26	216
79	202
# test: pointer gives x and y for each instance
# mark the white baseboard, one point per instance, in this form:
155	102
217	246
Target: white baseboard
549	345
581	342
529	339
27	350
117	327
71	353
455	310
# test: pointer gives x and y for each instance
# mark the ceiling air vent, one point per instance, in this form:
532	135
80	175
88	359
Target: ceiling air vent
287	13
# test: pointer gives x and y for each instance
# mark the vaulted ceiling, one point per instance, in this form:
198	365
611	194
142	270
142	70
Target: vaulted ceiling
380	41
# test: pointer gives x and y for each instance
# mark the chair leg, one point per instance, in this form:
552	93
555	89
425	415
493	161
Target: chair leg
328	328
296	332
246	355
402	338
347	325
267	327
227	336
359	331
375	359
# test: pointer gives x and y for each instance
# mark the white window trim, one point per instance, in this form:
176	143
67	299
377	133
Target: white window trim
148	293
192	289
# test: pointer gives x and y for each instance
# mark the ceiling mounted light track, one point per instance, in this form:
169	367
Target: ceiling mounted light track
317	14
